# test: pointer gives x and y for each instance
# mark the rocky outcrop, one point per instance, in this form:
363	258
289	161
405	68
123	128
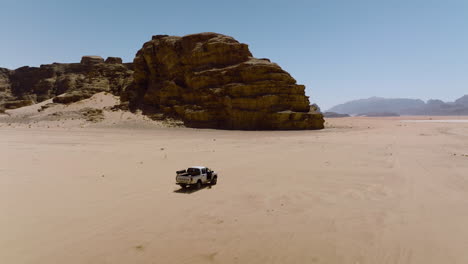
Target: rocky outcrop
114	60
91	60
211	80
28	85
207	80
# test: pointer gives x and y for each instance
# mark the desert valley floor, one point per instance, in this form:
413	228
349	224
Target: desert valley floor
363	190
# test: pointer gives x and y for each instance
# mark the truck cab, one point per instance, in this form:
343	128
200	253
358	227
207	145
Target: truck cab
196	176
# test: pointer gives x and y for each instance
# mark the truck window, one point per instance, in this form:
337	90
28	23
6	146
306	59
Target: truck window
193	171
203	171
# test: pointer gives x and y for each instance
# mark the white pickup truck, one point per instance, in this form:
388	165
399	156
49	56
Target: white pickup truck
196	176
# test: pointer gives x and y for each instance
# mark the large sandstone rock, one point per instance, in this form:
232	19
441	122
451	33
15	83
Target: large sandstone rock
211	80
27	85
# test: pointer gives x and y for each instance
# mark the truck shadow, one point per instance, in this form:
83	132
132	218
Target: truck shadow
192	189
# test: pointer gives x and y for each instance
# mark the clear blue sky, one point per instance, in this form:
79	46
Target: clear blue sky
340	49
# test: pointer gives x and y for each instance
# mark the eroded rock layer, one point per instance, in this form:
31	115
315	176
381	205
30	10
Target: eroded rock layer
211	80
29	85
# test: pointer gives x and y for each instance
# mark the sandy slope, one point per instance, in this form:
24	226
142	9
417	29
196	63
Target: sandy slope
72	115
362	191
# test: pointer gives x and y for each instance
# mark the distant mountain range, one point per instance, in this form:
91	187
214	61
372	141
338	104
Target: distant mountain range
402	106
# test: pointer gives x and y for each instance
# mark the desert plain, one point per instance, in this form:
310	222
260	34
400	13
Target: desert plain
362	190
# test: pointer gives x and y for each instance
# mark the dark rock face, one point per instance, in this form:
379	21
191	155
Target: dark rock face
28	85
211	80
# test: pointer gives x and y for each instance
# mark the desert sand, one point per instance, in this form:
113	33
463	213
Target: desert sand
363	190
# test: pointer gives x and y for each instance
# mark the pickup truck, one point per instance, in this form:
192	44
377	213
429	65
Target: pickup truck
196	176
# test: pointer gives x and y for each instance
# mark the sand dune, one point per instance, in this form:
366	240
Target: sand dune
364	190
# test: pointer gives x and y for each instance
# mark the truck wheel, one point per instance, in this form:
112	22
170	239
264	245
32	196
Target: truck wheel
214	181
199	184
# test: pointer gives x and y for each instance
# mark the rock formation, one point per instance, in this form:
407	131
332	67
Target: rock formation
91	60
211	80
114	60
28	85
207	80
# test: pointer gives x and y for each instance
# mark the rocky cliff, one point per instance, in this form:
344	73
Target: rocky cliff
29	85
211	80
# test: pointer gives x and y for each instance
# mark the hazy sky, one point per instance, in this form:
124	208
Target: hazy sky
340	49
